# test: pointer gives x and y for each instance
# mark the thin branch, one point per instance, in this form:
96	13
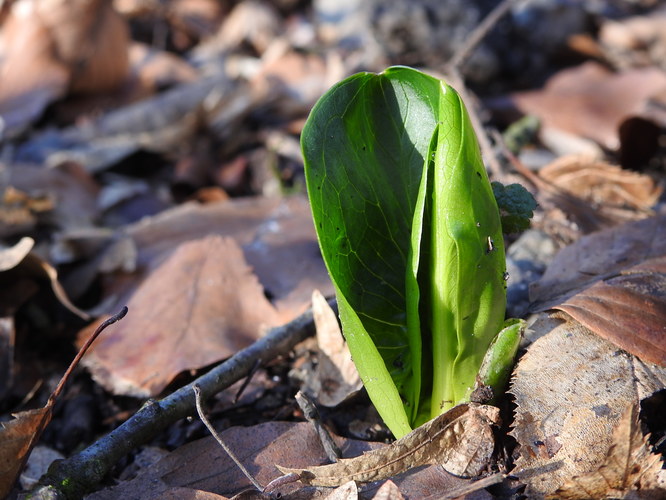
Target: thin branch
247	380
73	477
116	317
311	414
227	450
479	33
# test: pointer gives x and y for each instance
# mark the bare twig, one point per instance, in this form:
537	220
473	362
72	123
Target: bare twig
247	380
81	473
227	450
474	38
116	317
312	415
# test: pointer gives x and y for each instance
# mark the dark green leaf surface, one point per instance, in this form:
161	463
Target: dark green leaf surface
365	146
516	206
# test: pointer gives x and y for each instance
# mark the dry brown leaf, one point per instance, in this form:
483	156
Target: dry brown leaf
54	46
614	283
336	377
277	237
203	465
388	491
618	194
571	387
278	242
347	491
17	437
198	307
630	470
628	310
461	440
590	101
598	256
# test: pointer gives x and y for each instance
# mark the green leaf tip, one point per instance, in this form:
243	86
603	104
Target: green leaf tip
516	206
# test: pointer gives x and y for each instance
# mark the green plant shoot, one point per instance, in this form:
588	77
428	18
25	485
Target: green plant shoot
410	232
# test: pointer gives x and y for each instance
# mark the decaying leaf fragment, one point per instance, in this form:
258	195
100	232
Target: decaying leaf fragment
18	437
461	440
337	377
628	310
571	388
614	283
629	467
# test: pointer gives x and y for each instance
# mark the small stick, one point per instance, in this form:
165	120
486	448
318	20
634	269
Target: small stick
56	392
478	33
312	415
247	380
202	416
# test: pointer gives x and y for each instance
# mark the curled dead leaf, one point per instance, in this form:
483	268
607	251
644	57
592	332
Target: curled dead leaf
628	310
614	283
18	436
461	440
618	194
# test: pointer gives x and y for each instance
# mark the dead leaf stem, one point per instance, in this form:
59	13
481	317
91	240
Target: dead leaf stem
84	348
81	473
311	414
227	450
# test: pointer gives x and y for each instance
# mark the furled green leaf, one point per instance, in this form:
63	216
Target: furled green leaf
410	233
